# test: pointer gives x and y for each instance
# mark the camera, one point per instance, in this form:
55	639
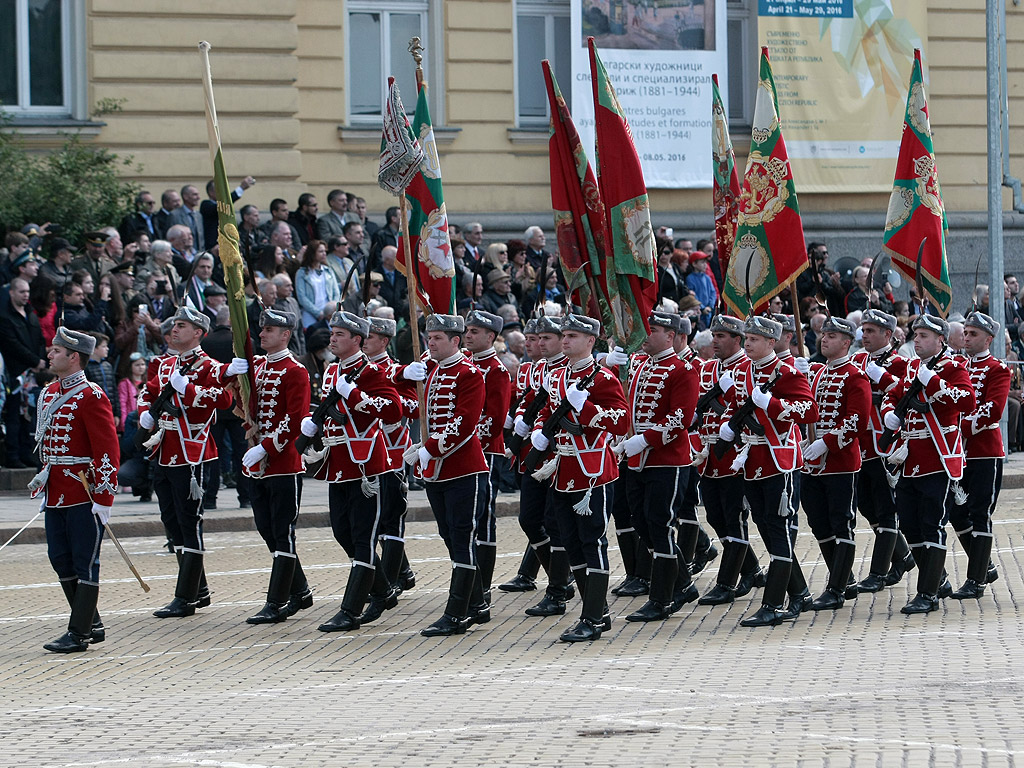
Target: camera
161	288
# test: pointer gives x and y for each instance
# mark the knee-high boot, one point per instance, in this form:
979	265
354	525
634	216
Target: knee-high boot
276	608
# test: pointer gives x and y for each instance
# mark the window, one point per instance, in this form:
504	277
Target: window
378	47
744	60
542	32
35	57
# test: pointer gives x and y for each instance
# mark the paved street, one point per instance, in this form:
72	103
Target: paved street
862	687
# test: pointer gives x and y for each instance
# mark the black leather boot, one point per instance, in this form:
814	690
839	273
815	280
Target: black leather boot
724	590
977	569
185	592
685	590
553	602
479	605
834	596
686	541
98	633
881	562
526	579
453	622
628	543
664	571
77	638
391	553
383	596
903	561
640	584
485	558
771	613
406	578
751	574
931	564
276	608
592	622
703	557
300	596
360	581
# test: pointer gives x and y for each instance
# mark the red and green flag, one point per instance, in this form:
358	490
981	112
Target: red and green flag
631	274
768	253
726	192
915	210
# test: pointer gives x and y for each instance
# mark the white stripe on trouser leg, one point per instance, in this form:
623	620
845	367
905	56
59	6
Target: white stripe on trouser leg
540	544
472	533
295	519
96	543
669	533
604	532
851	516
373	532
992	498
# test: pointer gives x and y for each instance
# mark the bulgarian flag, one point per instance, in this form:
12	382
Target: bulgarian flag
726	193
768	253
579	212
915	210
631	276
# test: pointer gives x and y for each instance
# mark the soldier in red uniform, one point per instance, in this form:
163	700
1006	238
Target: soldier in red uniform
75	435
983	474
890	555
584	467
662	394
482	328
183	446
930	452
355	458
451	462
275	467
832	456
782	400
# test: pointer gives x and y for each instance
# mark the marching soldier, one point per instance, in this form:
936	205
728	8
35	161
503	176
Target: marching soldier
78	448
482	328
778	399
933	393
662	395
183	446
584	467
275	467
832	456
355	459
452	464
890	555
983	474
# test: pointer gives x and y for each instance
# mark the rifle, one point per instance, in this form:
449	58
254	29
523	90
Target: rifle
909	402
328	407
744	417
162	404
876	397
708	401
515	443
557	422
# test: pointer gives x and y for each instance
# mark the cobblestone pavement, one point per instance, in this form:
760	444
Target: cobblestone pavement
864	686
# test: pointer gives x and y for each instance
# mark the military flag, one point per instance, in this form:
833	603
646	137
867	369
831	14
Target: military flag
726	192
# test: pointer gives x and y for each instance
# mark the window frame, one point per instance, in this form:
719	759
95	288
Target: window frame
549	10
72	60
745	80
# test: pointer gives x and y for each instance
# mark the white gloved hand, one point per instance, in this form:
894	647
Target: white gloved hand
874	371
801	364
415	371
726	382
539	441
424	456
146	421
509	422
925	374
725	432
634	445
254	456
761	398
892	421
815	450
179	381
617	357
102	512
308	427
237	365
411	454
520	427
344	387
576	397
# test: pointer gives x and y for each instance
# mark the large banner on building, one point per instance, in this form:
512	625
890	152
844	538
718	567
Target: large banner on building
841	72
660	55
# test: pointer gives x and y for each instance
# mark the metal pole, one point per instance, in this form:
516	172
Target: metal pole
995	180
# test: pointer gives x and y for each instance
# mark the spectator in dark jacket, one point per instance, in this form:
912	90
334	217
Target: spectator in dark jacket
21	343
100	371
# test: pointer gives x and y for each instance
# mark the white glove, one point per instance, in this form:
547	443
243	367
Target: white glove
634	445
874	371
539	441
424	456
576	397
254	456
725	432
617	357
411	454
146	421
509	423
344	387
925	374
761	398
102	512
237	365
520	427
308	427
415	371
892	421
726	382
815	450
179	382
801	364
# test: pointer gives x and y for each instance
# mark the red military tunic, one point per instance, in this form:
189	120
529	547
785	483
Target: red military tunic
397	437
454	399
586	461
497	398
662	394
538	372
843	394
990	378
355	446
186	440
706	435
282	402
76	433
895	369
932	440
791	404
